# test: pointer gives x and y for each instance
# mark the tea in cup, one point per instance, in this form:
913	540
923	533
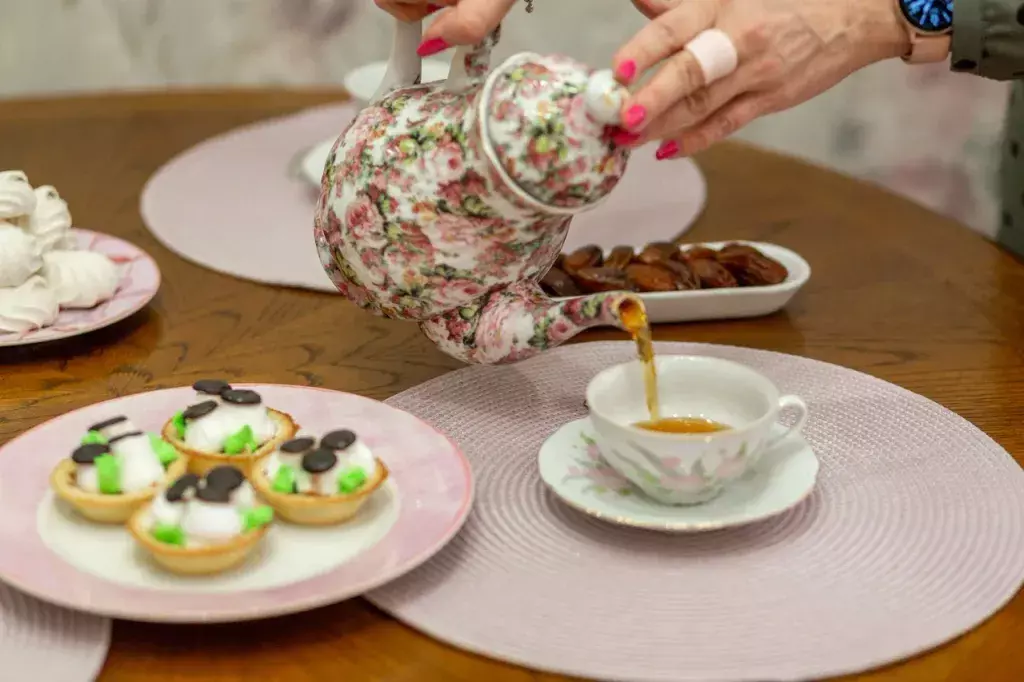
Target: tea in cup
717	418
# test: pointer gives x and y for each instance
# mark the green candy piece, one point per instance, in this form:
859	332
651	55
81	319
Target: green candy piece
108	472
243	441
178	420
169	535
257	517
351	480
165	452
94	438
284	481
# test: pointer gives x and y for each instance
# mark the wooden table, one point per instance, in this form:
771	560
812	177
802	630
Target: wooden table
897	292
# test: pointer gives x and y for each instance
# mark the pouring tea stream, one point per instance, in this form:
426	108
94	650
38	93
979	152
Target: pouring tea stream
445	203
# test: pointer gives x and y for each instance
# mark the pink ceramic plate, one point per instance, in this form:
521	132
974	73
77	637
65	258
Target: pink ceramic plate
54	555
140	280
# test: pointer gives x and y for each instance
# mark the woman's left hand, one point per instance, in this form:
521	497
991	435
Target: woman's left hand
786	51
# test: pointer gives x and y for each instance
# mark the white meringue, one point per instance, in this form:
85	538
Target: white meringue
20	256
81	279
17	200
31	306
50	223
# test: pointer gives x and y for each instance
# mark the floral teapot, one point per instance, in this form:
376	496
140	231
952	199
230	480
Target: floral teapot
445	203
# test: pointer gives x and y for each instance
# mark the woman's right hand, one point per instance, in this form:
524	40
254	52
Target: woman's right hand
458	22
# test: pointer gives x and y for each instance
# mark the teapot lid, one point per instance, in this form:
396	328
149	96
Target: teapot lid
543	123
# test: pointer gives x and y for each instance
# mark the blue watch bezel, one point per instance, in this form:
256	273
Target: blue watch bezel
916	21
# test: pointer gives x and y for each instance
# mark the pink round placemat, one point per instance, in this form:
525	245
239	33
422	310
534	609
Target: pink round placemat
237	204
913	535
47	643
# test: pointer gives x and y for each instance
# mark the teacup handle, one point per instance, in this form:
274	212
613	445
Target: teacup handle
796	404
405	67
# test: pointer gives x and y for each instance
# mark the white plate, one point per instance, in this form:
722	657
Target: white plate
571	466
733	303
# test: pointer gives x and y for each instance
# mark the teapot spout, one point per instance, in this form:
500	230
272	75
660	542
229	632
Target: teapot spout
521	321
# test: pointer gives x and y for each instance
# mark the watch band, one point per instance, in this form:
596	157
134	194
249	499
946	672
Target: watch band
925	48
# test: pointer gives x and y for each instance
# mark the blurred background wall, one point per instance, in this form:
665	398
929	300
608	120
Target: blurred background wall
920	131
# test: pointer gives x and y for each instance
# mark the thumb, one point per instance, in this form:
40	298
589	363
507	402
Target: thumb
468	22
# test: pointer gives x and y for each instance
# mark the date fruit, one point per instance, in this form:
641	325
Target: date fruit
751	268
645	277
684	272
699	253
620	257
658	252
583	257
712	274
557	282
593	280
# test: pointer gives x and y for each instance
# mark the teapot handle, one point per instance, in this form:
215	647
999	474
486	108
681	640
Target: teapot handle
405	68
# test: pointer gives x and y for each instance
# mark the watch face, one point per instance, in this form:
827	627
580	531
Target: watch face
928	15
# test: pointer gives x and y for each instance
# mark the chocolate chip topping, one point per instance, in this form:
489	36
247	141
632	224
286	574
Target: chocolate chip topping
297	446
338	440
226	477
211	493
318	461
176	492
87	454
199	409
130	434
211	386
107	424
241	396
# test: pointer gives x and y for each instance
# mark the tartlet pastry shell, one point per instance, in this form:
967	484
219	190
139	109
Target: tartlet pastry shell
316	510
205	560
200	462
107	508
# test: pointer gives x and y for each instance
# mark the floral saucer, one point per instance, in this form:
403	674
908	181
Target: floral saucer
572	467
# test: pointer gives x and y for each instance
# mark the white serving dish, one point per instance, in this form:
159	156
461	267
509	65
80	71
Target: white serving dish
735	303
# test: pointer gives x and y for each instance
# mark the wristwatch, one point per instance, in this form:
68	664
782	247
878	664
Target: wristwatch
929	23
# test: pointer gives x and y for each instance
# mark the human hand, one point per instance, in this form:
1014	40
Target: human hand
786	51
458	22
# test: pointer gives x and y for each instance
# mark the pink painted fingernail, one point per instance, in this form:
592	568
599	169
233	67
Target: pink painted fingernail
667	150
635	115
432	47
624	138
626	71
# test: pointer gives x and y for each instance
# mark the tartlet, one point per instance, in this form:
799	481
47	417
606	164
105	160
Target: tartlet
201	526
329	482
109	475
234	421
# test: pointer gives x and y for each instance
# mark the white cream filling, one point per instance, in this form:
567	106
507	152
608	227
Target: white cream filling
86	478
207	523
209	432
166	513
115	430
140	465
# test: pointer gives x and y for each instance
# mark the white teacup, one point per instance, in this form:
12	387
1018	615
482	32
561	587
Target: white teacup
688	468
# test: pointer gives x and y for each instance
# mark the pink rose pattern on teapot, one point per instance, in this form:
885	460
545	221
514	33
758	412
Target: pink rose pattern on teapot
446	205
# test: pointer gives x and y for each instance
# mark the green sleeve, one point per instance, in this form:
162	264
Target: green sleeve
988	38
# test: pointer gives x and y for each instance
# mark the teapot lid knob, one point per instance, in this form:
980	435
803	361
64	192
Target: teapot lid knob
604	97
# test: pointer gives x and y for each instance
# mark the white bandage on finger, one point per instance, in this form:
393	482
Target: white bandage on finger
716	54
